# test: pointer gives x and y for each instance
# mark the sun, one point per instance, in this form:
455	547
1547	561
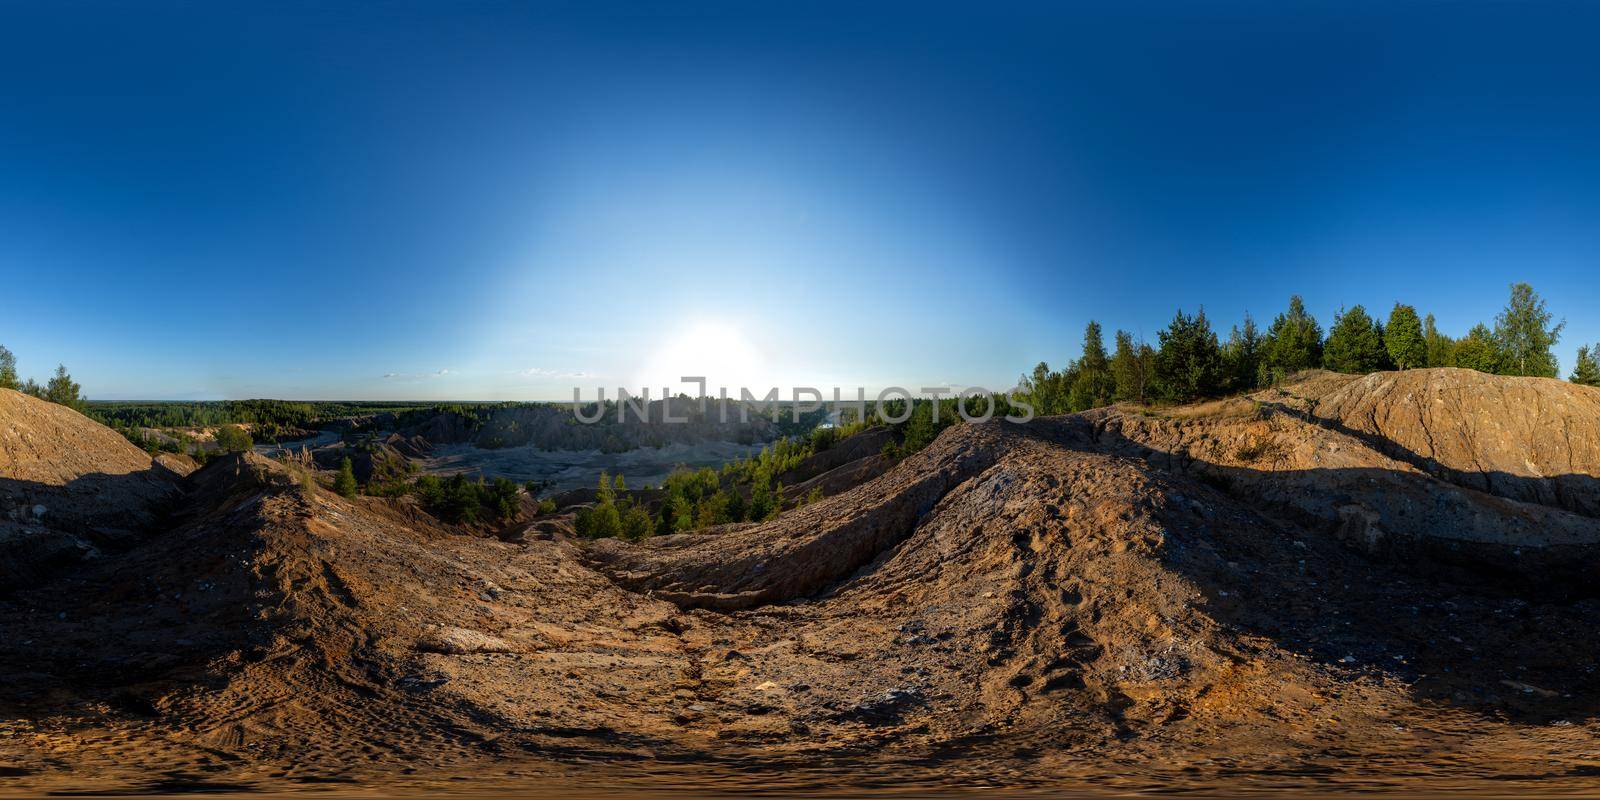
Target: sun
717	351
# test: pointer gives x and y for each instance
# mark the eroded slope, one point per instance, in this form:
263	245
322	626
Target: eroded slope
1107	597
69	487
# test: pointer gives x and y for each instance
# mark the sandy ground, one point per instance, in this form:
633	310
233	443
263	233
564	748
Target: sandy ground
1095	604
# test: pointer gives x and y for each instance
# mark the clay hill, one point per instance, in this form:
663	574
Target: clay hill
1345	582
69	487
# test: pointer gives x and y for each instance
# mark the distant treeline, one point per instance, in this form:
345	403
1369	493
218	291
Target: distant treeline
1190	362
267	416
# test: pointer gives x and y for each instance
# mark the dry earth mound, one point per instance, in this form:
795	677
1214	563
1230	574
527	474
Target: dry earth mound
1530	439
1319	450
69	487
1064	600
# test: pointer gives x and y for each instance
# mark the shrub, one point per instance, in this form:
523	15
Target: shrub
457	499
233	439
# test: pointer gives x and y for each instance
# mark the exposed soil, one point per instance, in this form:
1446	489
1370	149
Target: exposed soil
70	488
1248	594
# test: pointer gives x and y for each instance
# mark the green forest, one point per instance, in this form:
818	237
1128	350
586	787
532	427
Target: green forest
1189	361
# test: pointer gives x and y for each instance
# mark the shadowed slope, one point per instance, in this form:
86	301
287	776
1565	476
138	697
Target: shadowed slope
69	488
1535	440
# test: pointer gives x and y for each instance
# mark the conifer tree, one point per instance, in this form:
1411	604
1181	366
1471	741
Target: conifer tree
345	483
1241	356
62	390
1525	336
1293	343
1404	339
1354	344
1189	363
1093	385
1132	368
1587	369
1047	389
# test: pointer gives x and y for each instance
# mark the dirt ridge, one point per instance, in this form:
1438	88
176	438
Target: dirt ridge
1118	595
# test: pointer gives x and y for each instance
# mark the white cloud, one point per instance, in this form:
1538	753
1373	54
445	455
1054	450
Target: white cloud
540	372
416	375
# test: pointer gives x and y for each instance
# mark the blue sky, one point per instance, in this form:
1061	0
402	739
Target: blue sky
498	200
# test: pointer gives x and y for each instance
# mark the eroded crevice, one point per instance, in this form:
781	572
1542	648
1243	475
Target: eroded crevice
809	549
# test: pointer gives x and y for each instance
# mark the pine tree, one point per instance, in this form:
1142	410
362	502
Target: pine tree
1404	340
1354	344
1294	343
1047	390
1093	385
503	499
1587	369
1132	368
1091	389
1479	350
62	390
604	521
1525	336
345	483
1189	363
1441	348
1384	361
1094	348
636	524
764	502
8	370
1241	356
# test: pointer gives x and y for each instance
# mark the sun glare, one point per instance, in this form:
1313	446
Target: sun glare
718	351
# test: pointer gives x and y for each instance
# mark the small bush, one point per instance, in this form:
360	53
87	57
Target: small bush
233	439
